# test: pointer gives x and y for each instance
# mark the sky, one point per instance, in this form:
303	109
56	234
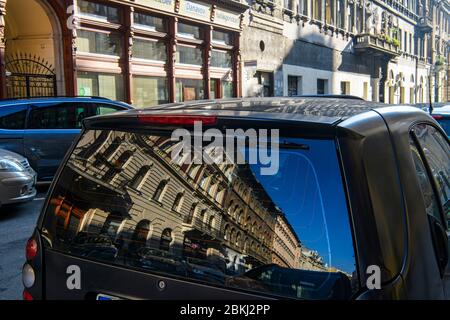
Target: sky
308	189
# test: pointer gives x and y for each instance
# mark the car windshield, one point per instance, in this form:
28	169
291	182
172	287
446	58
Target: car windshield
272	218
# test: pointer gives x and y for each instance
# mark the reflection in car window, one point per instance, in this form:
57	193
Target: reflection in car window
103	109
436	150
285	235
58	116
13	117
429	197
445	124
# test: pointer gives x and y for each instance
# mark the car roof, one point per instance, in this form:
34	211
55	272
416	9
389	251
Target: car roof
20	101
325	110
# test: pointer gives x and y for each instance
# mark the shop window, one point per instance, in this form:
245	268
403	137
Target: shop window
220	37
149	91
99	11
166	240
149	50
100	84
189	55
189	89
148	22
221	59
99	42
227	89
189	31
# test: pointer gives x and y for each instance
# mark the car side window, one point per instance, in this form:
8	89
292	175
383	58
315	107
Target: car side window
429	198
436	151
13	117
58	116
106	109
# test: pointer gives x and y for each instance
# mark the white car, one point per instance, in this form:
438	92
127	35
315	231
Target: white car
17	178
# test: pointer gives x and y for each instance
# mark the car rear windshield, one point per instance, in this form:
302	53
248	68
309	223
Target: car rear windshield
266	216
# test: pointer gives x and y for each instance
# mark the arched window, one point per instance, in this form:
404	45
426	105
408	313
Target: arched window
211	222
232	235
225	232
230	207
110	150
140	235
166	240
178	202
238	239
202	215
140	176
159	193
191	213
117	166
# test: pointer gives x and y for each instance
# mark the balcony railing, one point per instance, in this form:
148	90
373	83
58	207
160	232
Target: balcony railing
376	44
199	225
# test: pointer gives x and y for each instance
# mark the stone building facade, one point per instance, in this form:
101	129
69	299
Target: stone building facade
382	50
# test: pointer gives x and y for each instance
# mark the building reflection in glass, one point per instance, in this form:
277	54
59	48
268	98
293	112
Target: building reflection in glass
121	198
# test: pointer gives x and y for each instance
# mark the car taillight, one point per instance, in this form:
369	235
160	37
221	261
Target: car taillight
27	296
31	249
177	119
438	117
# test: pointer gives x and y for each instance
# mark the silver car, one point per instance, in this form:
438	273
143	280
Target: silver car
17	178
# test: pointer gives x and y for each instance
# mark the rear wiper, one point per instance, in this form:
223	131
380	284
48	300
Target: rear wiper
293	145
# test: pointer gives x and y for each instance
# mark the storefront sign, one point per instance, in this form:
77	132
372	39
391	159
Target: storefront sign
165	5
195	10
227	18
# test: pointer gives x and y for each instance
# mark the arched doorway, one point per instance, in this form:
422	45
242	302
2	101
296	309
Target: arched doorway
33	50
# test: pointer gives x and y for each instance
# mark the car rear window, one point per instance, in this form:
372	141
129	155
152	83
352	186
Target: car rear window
279	228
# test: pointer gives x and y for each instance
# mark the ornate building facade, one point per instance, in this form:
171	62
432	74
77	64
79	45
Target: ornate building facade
382	50
143	52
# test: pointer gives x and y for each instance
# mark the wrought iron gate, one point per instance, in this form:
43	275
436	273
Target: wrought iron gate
29	76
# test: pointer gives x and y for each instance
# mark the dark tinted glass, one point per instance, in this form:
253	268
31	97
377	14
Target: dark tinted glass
13	117
123	198
445	124
58	116
437	153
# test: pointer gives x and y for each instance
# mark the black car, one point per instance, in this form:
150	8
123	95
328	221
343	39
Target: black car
296	198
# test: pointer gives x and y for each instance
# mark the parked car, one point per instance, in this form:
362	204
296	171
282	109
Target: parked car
355	190
440	112
17	179
42	129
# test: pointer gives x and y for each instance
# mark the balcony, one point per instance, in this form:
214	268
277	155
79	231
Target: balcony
376	45
425	24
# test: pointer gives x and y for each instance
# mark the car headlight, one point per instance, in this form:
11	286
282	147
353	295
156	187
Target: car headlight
9	165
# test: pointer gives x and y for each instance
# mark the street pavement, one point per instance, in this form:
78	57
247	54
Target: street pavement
16	225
